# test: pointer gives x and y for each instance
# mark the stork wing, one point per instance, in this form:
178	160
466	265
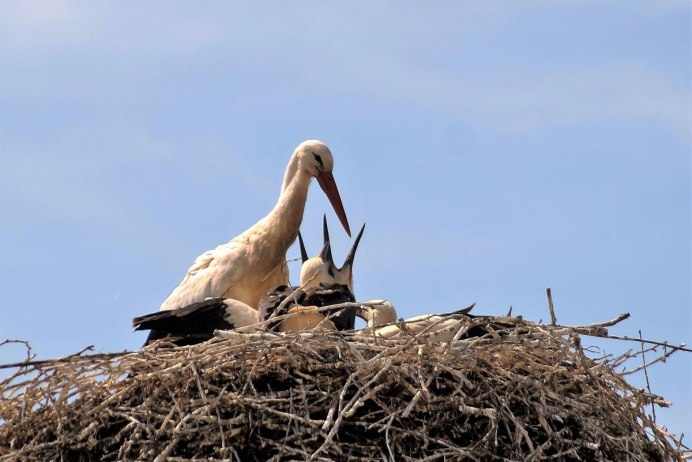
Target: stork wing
187	318
185	326
212	275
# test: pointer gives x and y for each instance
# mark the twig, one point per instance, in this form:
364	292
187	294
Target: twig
26	344
621	317
290	298
650	363
553	319
681	347
386	438
65	358
646	374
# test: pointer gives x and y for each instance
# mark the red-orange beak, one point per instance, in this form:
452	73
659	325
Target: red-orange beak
328	185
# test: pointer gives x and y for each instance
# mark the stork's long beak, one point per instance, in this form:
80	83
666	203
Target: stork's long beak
352	253
303	252
328	185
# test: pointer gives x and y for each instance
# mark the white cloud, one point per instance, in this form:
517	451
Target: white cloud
528	100
520	100
368	53
49	26
37	14
169	27
107	175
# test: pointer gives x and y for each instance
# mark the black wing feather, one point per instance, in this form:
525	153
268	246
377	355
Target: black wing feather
185	326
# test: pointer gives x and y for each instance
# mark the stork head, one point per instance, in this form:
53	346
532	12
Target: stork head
344	274
314	271
316	159
377	313
321	268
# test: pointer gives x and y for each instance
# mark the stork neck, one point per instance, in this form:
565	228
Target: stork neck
287	214
291	172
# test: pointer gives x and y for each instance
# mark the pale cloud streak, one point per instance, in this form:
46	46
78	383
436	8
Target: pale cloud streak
320	49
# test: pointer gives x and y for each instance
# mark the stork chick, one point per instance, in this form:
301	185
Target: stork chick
321	268
381	318
252	263
305	318
376	313
321	284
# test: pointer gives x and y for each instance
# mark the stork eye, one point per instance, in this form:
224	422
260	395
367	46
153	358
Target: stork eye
319	160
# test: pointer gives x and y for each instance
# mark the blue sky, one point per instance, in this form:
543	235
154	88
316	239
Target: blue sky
493	148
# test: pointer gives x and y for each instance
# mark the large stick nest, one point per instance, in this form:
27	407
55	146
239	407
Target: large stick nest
520	391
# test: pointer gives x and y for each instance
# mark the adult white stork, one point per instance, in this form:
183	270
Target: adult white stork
197	322
381	318
254	262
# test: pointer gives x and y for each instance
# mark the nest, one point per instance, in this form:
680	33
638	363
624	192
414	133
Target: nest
519	391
